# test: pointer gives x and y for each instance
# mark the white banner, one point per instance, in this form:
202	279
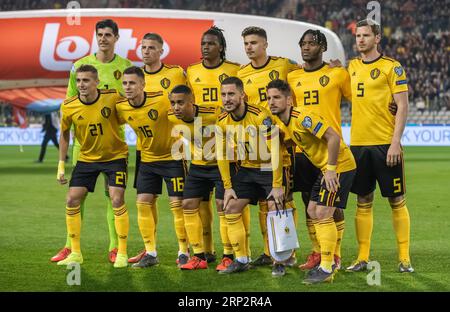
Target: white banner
413	136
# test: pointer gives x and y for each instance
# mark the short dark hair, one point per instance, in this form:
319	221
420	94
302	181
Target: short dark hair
153	36
216	31
183	89
376	29
234	81
134	70
280	85
107	23
253	30
86	68
318	36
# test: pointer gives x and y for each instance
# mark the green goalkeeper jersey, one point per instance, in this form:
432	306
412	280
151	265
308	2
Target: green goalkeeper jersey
109	74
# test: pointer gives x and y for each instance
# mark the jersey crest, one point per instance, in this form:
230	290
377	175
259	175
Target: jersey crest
274	75
324	80
153	114
106	112
165	83
374	73
117	74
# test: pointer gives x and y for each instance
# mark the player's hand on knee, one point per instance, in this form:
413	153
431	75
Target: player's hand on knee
394	155
228	195
277	194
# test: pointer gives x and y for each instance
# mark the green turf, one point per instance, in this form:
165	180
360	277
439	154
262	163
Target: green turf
32	229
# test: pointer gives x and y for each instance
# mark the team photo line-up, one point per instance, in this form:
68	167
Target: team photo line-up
253	134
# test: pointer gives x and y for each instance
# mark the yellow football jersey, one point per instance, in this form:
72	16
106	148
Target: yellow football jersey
151	125
200	133
306	130
205	81
96	127
256	79
164	79
320	91
373	85
244	136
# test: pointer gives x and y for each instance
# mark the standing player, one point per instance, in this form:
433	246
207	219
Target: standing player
196	123
110	67
256	75
204	78
158	77
326	150
376	82
317	88
244	127
146	113
102	150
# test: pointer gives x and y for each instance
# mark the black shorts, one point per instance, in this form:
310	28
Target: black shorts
136	167
86	173
151	174
252	184
201	180
323	197
371	167
305	173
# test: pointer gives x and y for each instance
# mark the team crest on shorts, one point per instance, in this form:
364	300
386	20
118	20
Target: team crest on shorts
286	230
165	83
223	77
274	75
106	112
307	122
398	70
117	74
374	73
324	80
153	114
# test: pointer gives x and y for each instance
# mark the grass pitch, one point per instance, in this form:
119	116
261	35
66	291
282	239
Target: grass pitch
32	229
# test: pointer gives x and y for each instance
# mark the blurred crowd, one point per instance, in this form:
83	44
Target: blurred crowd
414	32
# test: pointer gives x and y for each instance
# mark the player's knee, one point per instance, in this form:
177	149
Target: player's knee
117	201
190	204
234	207
395	200
324	213
364	199
72	201
311	210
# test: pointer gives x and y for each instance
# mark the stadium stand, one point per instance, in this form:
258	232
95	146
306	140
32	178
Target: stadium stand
416	33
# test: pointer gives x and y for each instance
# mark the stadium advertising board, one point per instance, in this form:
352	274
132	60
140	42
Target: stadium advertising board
54	40
412	136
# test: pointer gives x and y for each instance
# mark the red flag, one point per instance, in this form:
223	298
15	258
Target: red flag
20	116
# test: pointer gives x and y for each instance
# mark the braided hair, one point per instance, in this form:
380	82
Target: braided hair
216	31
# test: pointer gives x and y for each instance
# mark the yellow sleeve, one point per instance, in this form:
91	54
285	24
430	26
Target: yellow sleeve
66	121
277	160
314	124
292	65
397	79
222	162
272	135
346	88
119	113
180	78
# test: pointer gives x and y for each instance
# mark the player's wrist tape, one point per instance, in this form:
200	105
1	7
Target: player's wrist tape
331	167
61	164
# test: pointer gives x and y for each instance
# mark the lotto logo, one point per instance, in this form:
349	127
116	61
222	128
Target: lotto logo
52	45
